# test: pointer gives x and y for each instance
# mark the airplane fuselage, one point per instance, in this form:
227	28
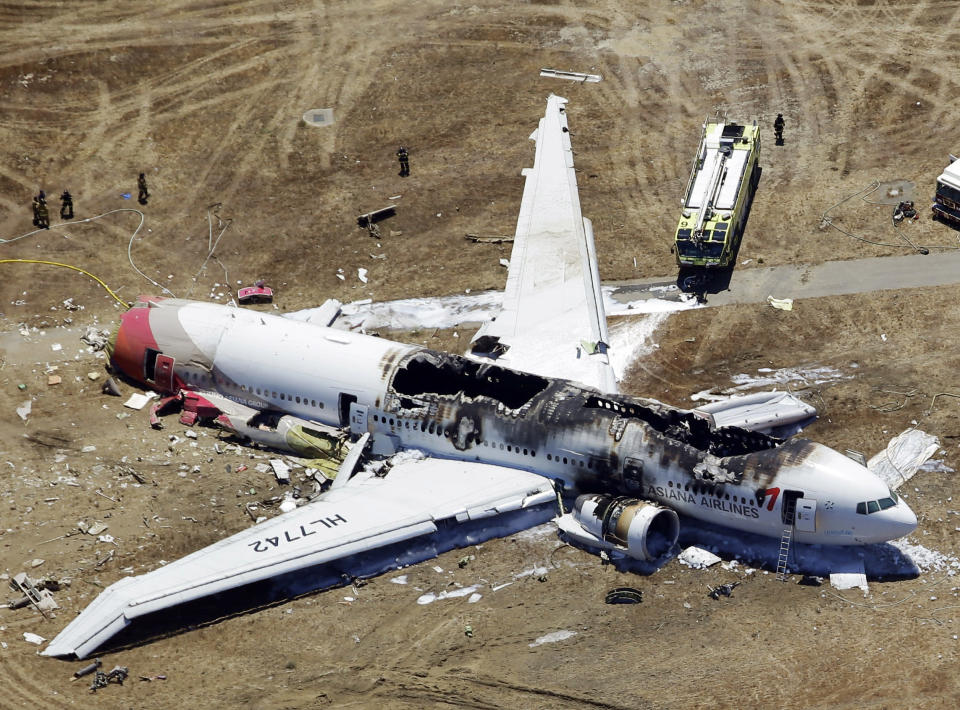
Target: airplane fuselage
449	406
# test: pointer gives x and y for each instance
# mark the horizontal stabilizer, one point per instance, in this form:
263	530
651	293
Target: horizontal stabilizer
411	501
776	413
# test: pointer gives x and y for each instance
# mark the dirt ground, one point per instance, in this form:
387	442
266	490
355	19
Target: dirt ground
205	97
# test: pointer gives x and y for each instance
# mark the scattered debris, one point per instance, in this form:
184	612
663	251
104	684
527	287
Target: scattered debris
784	304
810	580
624	595
23	411
87	669
465	560
35	639
54	380
33	593
362	275
96	338
368	218
571	75
280	470
724	590
484	239
95	530
468	631
853	575
905	210
258	293
139	400
117	675
93	376
903	457
111	387
553	637
697	558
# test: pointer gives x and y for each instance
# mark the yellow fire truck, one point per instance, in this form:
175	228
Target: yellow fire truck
718	195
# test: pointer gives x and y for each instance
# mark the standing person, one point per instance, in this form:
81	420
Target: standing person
142	193
66	205
778	129
36	211
43	215
404	159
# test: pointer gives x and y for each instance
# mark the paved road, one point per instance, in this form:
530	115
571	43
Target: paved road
832	278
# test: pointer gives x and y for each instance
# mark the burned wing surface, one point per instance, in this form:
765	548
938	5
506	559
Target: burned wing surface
421	508
552	321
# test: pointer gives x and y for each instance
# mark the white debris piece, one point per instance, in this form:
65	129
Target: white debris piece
96	529
783	304
430	597
56	347
280	470
903	457
474	598
138	400
362	275
553	637
402	579
88	449
36	562
23	411
33	638
697	558
849	580
505	262
288	504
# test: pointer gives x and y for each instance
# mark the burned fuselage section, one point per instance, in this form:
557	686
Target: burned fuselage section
456	407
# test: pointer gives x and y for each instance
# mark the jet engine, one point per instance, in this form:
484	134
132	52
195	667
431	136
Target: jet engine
636	528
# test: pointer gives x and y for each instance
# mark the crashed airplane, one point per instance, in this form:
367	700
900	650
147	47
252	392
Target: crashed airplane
533	409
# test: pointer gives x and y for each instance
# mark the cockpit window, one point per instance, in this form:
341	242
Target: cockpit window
875	506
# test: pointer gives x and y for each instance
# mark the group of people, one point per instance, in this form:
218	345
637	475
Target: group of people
41	214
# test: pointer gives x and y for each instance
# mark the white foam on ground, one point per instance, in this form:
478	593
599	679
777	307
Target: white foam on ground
925	558
553	637
632	339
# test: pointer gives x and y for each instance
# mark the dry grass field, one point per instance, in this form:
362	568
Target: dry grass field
206	97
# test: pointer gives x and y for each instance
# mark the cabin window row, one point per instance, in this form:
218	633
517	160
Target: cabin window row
570	461
434	428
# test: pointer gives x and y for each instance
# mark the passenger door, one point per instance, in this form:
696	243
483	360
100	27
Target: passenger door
806	515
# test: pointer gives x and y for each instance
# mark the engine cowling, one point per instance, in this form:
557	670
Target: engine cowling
636	528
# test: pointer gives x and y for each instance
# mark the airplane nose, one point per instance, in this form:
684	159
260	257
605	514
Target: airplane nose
895	522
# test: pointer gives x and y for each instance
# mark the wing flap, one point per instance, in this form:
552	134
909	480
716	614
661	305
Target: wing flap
408	503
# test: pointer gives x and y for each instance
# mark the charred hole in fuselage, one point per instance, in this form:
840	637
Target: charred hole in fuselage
435	373
689	429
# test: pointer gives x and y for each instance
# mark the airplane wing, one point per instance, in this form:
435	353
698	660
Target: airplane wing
552	322
411	504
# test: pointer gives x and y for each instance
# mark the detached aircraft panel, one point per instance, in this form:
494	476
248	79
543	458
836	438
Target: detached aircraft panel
362	516
552	322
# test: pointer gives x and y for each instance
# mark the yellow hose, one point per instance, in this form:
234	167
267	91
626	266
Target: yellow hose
67	266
